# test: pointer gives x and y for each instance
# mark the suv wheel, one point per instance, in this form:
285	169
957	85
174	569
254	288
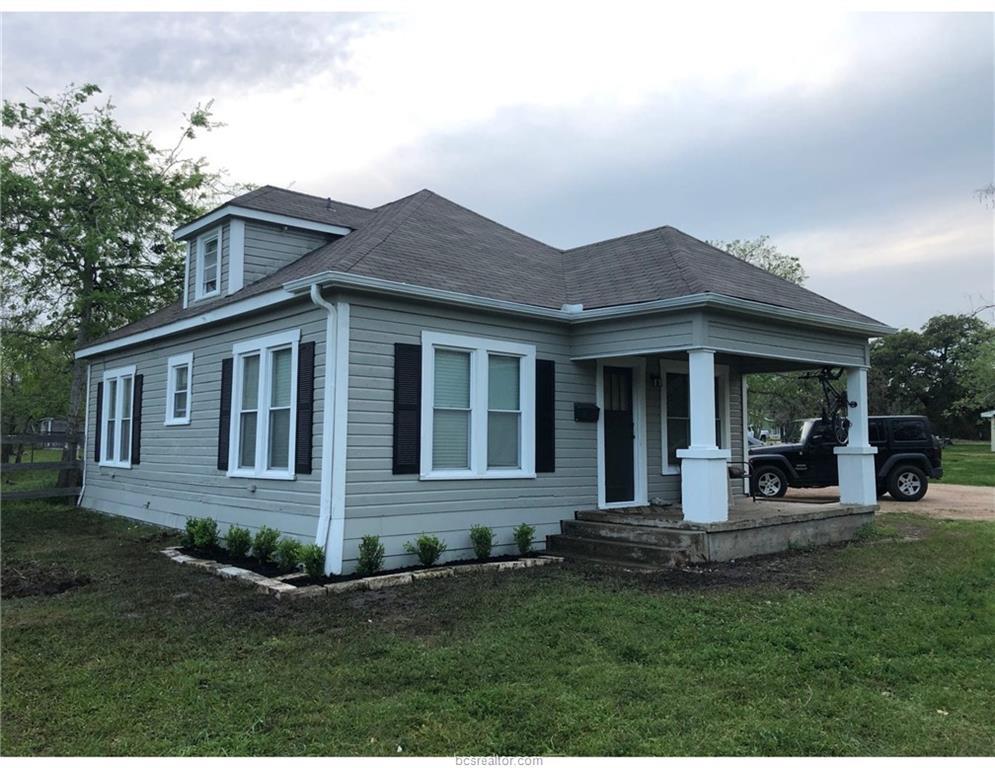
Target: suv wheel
771	483
907	483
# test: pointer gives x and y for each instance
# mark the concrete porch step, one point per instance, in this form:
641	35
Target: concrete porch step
651	517
624	553
670	538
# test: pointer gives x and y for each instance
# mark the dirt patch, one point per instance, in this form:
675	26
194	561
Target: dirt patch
942	501
30	578
801	569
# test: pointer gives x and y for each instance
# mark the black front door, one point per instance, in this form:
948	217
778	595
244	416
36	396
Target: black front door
619	435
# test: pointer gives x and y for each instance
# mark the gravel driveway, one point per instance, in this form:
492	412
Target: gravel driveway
956	502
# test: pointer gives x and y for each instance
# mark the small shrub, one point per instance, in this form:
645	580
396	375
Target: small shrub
201	533
288	553
371	554
482	539
426	548
193	523
238	541
264	543
313	558
523	537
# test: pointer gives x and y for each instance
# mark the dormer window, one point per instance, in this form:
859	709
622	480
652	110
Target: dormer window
208	265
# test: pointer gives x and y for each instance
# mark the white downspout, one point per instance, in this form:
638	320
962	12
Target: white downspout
86	432
331	518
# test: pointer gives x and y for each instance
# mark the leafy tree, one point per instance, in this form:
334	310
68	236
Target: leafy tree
761	252
34	383
944	372
87	209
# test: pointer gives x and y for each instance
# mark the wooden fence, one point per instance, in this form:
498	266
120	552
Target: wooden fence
57	440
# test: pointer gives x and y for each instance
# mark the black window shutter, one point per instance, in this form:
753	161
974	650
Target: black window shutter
545	416
100	422
305	408
407	409
136	419
224	416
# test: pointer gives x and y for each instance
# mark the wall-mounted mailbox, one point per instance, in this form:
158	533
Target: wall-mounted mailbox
586	412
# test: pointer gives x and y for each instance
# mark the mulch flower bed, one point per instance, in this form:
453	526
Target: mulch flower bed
268	577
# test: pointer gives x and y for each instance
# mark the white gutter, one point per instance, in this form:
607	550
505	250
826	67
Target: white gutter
571	314
260	301
331	518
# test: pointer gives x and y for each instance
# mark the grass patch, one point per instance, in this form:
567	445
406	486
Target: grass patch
33	479
881	647
967	463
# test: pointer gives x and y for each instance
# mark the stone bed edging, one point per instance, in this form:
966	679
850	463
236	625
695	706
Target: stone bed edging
281	587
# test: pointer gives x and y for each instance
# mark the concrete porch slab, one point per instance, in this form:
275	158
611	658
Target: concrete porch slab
753	528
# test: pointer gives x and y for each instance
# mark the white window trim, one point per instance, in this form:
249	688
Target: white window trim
679	366
199	284
478	348
263	346
111	375
174	362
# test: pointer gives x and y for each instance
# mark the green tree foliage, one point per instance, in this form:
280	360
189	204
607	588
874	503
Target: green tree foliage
761	252
34	383
87	210
945	371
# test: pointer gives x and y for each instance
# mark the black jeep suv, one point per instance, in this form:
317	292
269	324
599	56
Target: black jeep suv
908	455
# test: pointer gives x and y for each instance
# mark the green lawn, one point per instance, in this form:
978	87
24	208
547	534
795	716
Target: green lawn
967	463
881	647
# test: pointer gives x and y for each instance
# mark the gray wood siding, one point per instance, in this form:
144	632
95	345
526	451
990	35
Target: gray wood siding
269	247
632	335
178	475
743	336
400	507
222	272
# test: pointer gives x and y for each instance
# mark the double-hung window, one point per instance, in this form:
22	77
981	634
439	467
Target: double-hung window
208	274
264	400
478	408
179	389
118	392
675	411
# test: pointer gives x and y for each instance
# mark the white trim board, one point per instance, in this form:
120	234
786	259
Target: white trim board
236	256
294	288
639	448
235	309
249	213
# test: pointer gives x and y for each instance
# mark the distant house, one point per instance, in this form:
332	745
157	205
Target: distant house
335	371
51	425
990	415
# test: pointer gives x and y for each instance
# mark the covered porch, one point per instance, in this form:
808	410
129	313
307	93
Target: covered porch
672	438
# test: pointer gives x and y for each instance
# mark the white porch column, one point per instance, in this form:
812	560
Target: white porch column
704	472
855	460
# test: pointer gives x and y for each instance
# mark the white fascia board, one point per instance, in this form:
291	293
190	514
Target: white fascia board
295	288
254	215
234	309
694	301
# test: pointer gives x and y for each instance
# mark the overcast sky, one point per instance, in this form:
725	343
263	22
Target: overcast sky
855	142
